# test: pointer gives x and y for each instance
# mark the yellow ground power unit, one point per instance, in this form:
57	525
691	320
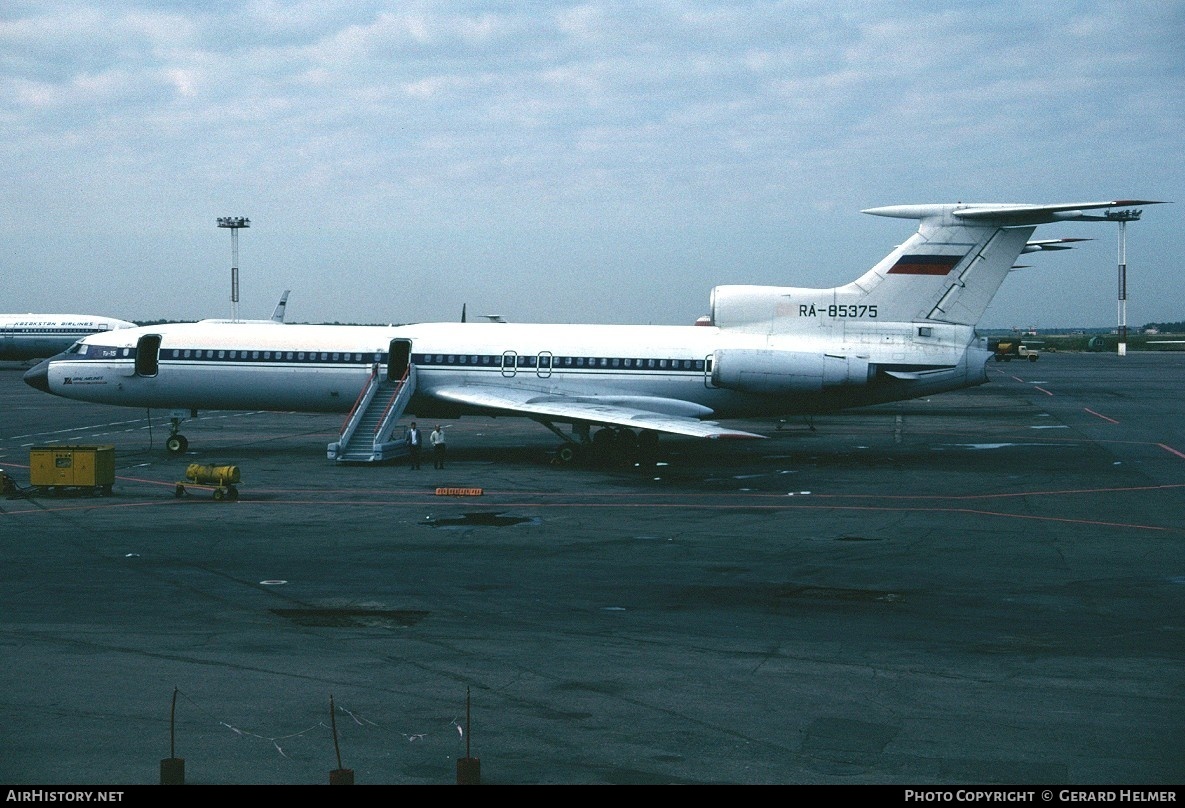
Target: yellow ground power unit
55	468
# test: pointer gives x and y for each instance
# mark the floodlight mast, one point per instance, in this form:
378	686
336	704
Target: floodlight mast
234	223
1123	217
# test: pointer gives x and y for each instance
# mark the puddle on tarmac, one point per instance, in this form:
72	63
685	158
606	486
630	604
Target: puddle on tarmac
485	519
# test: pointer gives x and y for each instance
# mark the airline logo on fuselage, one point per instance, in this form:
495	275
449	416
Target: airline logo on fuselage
925	264
56	324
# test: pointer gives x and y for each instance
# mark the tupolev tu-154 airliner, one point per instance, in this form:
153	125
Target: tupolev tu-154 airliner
902	330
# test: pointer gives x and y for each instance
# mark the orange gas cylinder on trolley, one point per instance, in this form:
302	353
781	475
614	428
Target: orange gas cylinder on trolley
221	479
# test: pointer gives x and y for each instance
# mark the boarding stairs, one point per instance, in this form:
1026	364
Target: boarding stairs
366	435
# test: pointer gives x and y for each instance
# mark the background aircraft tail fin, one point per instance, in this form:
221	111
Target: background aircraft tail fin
281	307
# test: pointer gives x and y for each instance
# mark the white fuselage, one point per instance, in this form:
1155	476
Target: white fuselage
36	336
322	368
904	328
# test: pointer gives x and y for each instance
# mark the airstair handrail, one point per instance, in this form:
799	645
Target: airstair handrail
374	371
394	397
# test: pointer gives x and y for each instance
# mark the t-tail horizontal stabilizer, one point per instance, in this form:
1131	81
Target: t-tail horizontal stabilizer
1006	215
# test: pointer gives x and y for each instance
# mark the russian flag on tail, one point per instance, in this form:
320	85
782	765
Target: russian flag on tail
925	264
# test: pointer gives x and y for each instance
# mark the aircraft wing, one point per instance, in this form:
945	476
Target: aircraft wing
636	412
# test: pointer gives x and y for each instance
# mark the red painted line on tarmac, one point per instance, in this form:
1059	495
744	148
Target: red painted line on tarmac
1100	415
1171	450
996	495
575	499
241	503
1043	390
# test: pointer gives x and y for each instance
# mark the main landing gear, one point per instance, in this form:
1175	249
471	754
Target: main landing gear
609	446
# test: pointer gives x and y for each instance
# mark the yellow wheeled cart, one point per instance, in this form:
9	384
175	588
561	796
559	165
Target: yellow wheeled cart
219	479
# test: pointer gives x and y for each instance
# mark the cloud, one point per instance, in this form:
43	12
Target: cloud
489	144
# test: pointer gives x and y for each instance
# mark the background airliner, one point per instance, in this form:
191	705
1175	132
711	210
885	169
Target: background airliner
903	329
36	336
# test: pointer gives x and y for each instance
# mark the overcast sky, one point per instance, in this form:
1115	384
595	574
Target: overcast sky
569	162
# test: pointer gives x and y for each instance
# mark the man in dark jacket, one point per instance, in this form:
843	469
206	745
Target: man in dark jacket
413	444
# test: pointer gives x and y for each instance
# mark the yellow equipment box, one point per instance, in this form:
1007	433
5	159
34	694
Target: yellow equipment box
72	466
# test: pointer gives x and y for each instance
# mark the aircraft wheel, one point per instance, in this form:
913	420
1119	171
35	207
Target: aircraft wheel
604	446
647	446
176	444
604	437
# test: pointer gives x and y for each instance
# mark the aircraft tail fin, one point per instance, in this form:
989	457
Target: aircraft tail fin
281	307
947	272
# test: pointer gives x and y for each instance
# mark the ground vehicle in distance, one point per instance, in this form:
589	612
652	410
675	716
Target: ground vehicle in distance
1007	350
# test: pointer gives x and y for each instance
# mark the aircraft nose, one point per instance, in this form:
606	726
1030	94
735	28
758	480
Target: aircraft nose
38	376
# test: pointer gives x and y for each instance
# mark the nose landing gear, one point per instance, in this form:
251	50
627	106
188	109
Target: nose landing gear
176	443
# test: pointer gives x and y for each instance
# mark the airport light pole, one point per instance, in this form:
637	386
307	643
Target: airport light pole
234	223
1123	217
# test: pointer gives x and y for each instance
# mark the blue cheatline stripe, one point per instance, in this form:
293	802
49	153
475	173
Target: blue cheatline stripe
80	331
427	361
535	362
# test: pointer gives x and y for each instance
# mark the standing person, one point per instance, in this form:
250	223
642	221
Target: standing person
437	441
413	444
